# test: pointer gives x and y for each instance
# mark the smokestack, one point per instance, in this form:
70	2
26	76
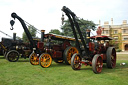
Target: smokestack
88	35
14	36
42	35
111	21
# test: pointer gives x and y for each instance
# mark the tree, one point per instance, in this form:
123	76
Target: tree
55	31
32	32
17	37
84	24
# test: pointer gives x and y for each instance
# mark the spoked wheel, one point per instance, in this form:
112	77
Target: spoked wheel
111	57
45	60
69	51
34	59
12	56
97	64
76	61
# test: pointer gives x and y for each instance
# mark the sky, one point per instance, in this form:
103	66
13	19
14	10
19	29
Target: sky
46	14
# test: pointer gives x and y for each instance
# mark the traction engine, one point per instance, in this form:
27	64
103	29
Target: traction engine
95	51
12	48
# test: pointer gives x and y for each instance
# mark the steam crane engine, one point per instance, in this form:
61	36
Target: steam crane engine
34	59
96	50
43	54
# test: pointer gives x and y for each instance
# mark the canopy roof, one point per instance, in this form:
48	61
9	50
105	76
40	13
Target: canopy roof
101	37
59	37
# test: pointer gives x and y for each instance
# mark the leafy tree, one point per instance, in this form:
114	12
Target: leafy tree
84	24
32	32
55	31
17	37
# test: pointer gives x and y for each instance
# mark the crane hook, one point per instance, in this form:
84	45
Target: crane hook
12	23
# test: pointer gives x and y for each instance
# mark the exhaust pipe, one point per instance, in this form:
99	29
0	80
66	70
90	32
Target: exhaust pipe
14	36
42	35
88	35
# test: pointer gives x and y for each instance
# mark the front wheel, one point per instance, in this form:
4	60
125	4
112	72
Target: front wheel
76	61
45	60
34	59
97	64
12	55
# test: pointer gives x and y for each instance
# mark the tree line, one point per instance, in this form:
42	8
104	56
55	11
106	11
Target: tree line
65	29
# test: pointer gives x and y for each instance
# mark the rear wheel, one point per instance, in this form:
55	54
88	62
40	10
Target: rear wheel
111	57
12	55
76	61
45	60
69	51
34	59
97	64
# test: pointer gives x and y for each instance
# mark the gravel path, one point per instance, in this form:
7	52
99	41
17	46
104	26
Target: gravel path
125	52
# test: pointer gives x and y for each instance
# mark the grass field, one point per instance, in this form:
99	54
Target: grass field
23	73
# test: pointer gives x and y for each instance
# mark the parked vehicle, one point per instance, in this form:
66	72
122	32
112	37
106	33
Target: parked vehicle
95	51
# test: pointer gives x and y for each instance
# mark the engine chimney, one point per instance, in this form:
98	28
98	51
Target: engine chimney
42	35
14	36
88	35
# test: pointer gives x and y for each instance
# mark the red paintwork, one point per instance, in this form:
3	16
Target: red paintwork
40	45
86	63
56	50
91	46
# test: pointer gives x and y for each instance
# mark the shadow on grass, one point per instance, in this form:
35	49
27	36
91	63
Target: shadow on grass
23	60
2	57
105	69
118	68
59	65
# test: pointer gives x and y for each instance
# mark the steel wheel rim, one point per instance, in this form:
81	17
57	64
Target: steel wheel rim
13	56
34	59
45	60
77	62
71	51
113	58
99	64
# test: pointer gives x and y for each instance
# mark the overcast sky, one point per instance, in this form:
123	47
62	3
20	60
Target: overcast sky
46	14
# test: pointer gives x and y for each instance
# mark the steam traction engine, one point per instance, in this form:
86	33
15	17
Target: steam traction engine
13	48
58	48
44	51
95	51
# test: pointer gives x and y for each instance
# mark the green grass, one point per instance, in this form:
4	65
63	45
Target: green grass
23	73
